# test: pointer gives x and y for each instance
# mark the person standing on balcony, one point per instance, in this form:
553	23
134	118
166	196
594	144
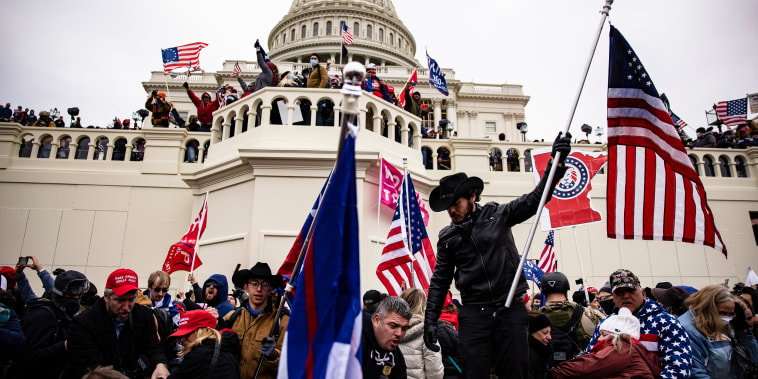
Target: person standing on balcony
44	120
267	77
205	107
160	108
478	250
374	84
318	77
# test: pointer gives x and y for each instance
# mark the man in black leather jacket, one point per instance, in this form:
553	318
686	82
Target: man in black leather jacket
478	251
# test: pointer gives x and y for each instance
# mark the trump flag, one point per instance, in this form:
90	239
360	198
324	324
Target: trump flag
571	203
180	255
324	332
389	189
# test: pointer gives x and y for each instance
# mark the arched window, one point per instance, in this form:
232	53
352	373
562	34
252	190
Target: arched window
328	28
284	37
368	31
426	154
693	159
356	29
739	166
726	171
302	32
119	149
708	166
292	37
138	149
443	158
64	147
315	29
496	159
399	43
45	147
392	39
381	35
528	161
82	148
512	160
101	148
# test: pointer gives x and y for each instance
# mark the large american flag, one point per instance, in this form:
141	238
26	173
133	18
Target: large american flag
236	70
547	257
394	266
346	35
182	56
653	191
733	112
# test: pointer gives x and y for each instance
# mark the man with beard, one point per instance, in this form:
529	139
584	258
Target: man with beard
116	332
213	294
254	320
382	333
46	325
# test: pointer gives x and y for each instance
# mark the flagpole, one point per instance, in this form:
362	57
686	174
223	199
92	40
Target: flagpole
408	218
197	240
557	158
379	202
353	74
581	266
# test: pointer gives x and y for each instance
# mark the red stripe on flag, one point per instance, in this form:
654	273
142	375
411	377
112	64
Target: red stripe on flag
648	212
629	203
669	206
611	192
689	213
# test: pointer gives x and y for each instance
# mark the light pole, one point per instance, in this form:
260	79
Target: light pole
599	133
523	128
135	117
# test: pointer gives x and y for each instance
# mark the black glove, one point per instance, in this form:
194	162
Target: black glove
562	144
154	93
257	44
185	85
268	348
430	337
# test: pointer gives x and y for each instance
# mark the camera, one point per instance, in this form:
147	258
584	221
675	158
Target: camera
24	261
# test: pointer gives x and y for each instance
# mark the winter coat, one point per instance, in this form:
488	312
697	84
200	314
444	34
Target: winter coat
264	79
710	359
221	302
92	341
46	330
420	362
447	336
196	364
749	342
251	331
160	111
539	356
204	111
706	140
368	84
12	337
609	363
375	358
480	252
661	332
411	105
318	77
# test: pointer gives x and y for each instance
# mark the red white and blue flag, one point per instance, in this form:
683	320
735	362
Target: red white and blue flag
733	112
323	337
263	52
653	192
407	237
180	255
410	87
547	257
347	36
236	70
182	56
571	203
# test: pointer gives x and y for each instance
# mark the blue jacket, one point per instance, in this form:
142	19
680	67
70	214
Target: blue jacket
662	332
710	359
221	303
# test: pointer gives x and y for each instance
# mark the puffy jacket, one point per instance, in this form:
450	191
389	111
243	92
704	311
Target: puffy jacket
420	362
204	111
710	359
197	362
251	332
609	363
480	253
662	333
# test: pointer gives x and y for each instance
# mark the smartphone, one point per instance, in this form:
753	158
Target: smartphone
24	261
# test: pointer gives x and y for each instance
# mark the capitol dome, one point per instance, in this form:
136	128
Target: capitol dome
314	26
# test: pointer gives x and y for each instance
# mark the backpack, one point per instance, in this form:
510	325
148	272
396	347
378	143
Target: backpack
563	341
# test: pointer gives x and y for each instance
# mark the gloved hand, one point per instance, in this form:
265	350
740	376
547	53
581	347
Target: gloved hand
185	85
257	45
268	348
430	337
154	93
562	144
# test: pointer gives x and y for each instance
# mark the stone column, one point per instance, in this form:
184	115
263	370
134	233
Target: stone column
35	149
404	134
452	114
437	103
391	129
239	119
378	124
109	149
265	114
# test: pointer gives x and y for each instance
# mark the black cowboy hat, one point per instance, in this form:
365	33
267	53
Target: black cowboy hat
451	188
260	270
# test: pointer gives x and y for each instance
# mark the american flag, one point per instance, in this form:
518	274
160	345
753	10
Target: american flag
182	56
733	112
346	35
680	124
236	70
547	257
394	269
410	86
653	191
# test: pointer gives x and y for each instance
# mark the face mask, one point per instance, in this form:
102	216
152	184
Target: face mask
726	319
607	306
67	305
292	76
314	62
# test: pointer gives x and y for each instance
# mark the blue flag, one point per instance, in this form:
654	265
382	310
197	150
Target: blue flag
436	77
324	332
263	52
532	272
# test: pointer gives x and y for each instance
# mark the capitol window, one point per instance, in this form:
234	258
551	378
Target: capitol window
302	32
381	35
284	37
392	39
292	37
489	126
315	29
356	29
368	31
328	28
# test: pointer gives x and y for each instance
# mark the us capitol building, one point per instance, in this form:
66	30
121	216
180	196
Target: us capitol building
98	199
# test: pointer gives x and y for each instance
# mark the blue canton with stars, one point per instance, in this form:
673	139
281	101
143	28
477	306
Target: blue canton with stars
673	340
632	73
170	55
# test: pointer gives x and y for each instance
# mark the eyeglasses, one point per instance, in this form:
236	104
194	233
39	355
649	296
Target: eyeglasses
164	290
264	285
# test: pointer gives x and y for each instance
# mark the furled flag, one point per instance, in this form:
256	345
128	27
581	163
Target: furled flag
236	70
409	86
751	279
221	96
394	269
263	52
182	56
347	36
323	336
180	255
547	257
571	204
532	272
389	188
653	191
733	112
436	77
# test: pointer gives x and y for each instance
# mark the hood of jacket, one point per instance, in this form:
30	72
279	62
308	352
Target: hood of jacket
223	288
416	329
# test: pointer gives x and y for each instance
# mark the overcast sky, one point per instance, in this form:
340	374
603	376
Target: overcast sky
95	54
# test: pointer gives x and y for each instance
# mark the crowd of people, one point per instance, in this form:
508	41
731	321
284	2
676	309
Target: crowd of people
741	137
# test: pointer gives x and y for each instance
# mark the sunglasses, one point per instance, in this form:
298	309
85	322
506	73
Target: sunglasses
214	285
157	290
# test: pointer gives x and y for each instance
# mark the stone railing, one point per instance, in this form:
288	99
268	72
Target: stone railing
281	105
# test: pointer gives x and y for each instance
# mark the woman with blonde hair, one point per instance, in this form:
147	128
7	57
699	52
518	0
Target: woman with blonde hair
205	352
707	323
421	362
